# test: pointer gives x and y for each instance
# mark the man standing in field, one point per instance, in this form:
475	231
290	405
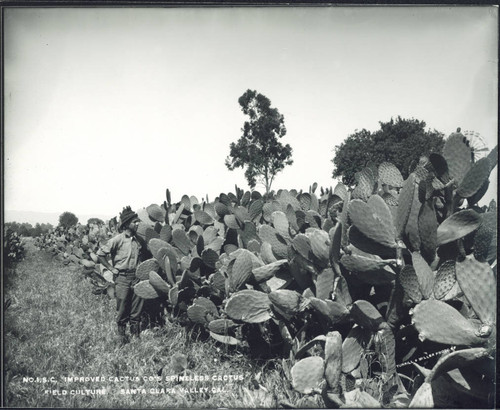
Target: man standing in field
124	250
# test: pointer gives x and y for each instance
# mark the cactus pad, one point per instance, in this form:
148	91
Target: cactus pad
474	199
266	253
342	294
362	242
143	269
458	156
304	349
409	281
423	398
474	178
478	282
392	201
286	198
241	271
385	346
150	234
353	347
366	315
287	302
424	274
155	244
320	245
411	229
221	326
304	201
248	233
362	262
364	187
388	174
440	166
217	281
329	310
381	212
302	244
181	241
87	263
250	306
74	258
144	217
156	213
255	209
203	217
485	239
186	201
292	217
456	359
427	231
145	290
266	272
197	314
209	234
216	244
158	283
307	374
372	226
324	283
439	322
221	209
209	257
166	233
335	244
267	210
228	340
457	226
333	360
203	311
280	222
241	214
278	244
254	246
340	190
445	279
231	221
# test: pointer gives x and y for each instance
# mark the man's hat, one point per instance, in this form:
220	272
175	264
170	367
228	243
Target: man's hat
127	216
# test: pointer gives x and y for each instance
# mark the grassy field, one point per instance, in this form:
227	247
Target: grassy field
57	329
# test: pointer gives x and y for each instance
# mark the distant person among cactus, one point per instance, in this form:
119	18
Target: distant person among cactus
125	252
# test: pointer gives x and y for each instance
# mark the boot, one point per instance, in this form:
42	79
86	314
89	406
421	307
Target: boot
122	335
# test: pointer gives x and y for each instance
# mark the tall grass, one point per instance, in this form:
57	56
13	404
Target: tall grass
55	327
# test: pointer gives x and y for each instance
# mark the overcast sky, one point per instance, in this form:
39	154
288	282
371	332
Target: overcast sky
109	107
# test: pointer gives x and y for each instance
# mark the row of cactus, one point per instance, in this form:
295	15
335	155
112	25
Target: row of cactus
78	246
351	289
13	247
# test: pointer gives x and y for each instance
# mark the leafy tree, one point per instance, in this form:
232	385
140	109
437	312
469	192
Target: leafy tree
400	141
41	229
22	229
67	220
259	149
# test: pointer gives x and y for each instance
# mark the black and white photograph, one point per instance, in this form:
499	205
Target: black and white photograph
249	206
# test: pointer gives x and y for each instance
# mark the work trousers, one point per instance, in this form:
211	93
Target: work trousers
128	304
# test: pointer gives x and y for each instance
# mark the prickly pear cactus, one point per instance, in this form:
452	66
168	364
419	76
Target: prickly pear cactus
437	321
250	306
307	374
353	288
